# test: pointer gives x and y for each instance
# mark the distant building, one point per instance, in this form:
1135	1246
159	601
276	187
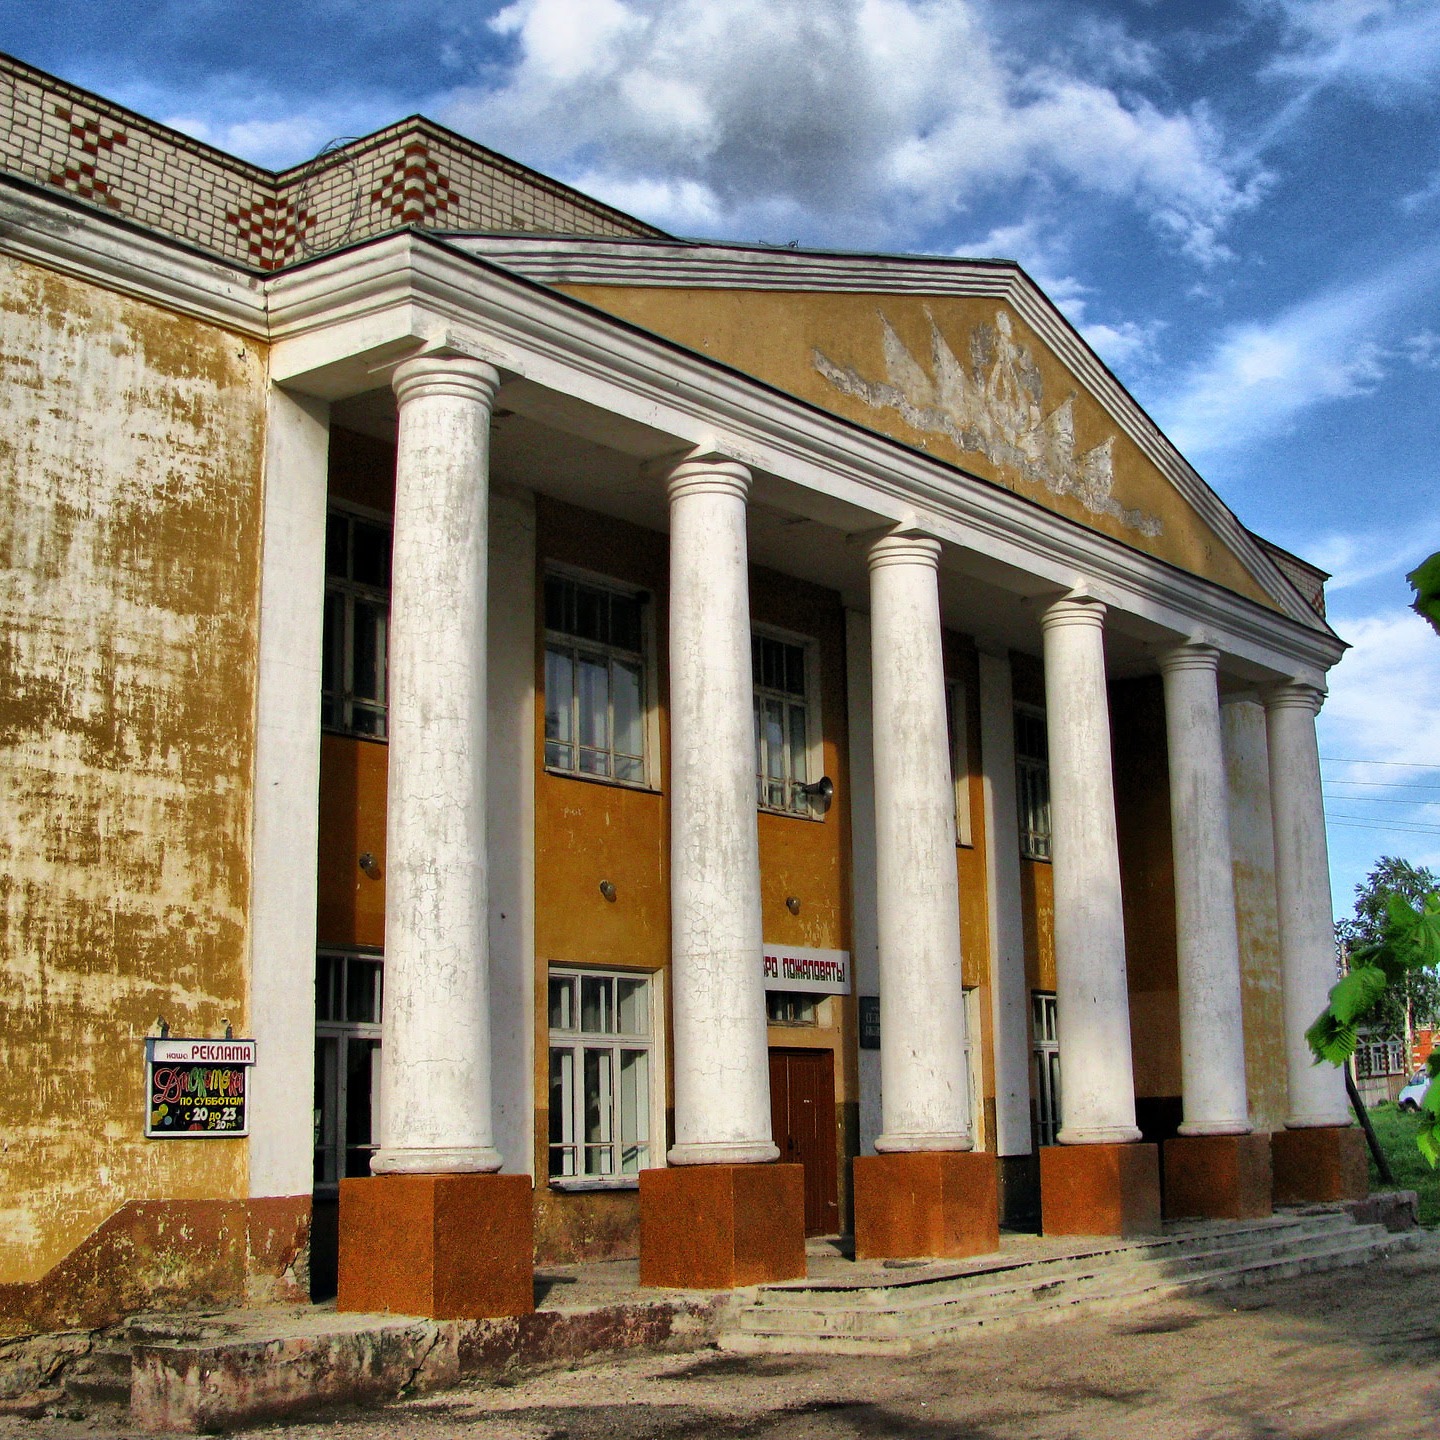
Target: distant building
578	699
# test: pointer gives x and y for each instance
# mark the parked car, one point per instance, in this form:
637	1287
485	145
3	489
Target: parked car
1412	1097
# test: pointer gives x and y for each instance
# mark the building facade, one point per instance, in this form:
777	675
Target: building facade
646	738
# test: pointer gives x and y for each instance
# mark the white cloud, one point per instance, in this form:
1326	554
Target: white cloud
1377	45
1357	558
1382	710
865	121
1261	376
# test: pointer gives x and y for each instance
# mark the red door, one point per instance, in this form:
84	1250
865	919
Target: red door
802	1119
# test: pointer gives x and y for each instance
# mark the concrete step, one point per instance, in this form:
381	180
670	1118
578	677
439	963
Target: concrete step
102	1377
762	1328
992	1271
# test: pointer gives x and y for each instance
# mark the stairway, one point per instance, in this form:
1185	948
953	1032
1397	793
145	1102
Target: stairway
1031	1281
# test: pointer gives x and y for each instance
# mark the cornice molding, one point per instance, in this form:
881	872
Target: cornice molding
567	261
65	234
421	287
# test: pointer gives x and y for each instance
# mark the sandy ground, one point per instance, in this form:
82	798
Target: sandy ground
1351	1354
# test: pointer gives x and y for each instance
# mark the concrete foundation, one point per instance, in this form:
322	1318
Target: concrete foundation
1100	1189
449	1247
1217	1177
931	1203
1327	1162
715	1227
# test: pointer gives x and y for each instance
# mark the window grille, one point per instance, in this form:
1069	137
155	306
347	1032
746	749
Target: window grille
1032	782
600	1057
1046	1052
348	995
355	658
594	681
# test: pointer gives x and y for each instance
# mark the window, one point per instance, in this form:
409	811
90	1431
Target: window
600	1059
357	620
1032	781
594	681
790	1007
1046	1042
956	717
783	715
348	992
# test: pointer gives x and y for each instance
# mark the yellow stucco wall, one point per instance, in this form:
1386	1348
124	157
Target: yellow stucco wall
130	473
963	378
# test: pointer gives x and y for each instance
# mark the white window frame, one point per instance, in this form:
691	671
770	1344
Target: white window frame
1045	1060
349	592
974	1069
1031	770
330	1128
814	730
649	679
576	1041
957	719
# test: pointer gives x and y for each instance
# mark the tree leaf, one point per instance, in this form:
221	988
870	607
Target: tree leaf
1429	1142
1331	1039
1357	993
1424	580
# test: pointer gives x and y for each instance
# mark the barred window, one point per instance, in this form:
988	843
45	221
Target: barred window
353	686
594	680
1032	781
600	1059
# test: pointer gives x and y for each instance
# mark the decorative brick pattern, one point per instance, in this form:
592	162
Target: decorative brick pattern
413	173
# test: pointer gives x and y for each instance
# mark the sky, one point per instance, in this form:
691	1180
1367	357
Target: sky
1235	201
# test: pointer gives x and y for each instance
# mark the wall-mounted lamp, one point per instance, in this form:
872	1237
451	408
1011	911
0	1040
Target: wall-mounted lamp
792	904
821	792
370	865
608	891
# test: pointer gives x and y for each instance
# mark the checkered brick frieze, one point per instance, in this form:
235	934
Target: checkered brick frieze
415	190
272	229
91	142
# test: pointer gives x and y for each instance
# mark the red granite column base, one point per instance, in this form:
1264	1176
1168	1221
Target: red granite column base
1217	1177
1100	1189
941	1203
716	1227
450	1247
1327	1163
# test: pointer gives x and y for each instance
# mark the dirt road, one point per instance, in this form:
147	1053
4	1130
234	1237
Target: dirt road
1351	1354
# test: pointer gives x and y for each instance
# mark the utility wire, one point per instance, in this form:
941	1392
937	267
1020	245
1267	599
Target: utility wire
1403	764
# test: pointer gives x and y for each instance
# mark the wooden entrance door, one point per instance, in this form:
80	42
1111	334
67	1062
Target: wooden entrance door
802	1118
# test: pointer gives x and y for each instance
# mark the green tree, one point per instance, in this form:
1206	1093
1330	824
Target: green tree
1415	999
1424	580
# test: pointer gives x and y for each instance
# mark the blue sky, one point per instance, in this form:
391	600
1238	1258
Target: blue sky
1235	201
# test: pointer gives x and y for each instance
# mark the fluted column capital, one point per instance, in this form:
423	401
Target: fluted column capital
1069	611
1190	656
1293	695
458	376
708	473
905	550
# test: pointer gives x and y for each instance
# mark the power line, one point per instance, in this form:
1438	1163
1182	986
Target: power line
1387	784
1403	764
1395	827
1385	800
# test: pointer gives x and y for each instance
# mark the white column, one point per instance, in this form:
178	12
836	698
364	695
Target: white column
924	1086
1212	1027
1010	996
721	1064
1302	889
1092	1002
435	1114
287	795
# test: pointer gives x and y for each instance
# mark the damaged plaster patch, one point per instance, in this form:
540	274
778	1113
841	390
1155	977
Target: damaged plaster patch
993	407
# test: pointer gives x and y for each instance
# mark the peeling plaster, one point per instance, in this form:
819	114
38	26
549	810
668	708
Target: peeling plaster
994	407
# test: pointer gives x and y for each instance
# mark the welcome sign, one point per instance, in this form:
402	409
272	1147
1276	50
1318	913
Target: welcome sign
819	972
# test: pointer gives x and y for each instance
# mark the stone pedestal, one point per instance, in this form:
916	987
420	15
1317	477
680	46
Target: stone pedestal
1328	1162
1217	1177
1100	1189
940	1203
716	1227
450	1247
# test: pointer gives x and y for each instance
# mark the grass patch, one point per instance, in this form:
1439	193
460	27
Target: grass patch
1395	1130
